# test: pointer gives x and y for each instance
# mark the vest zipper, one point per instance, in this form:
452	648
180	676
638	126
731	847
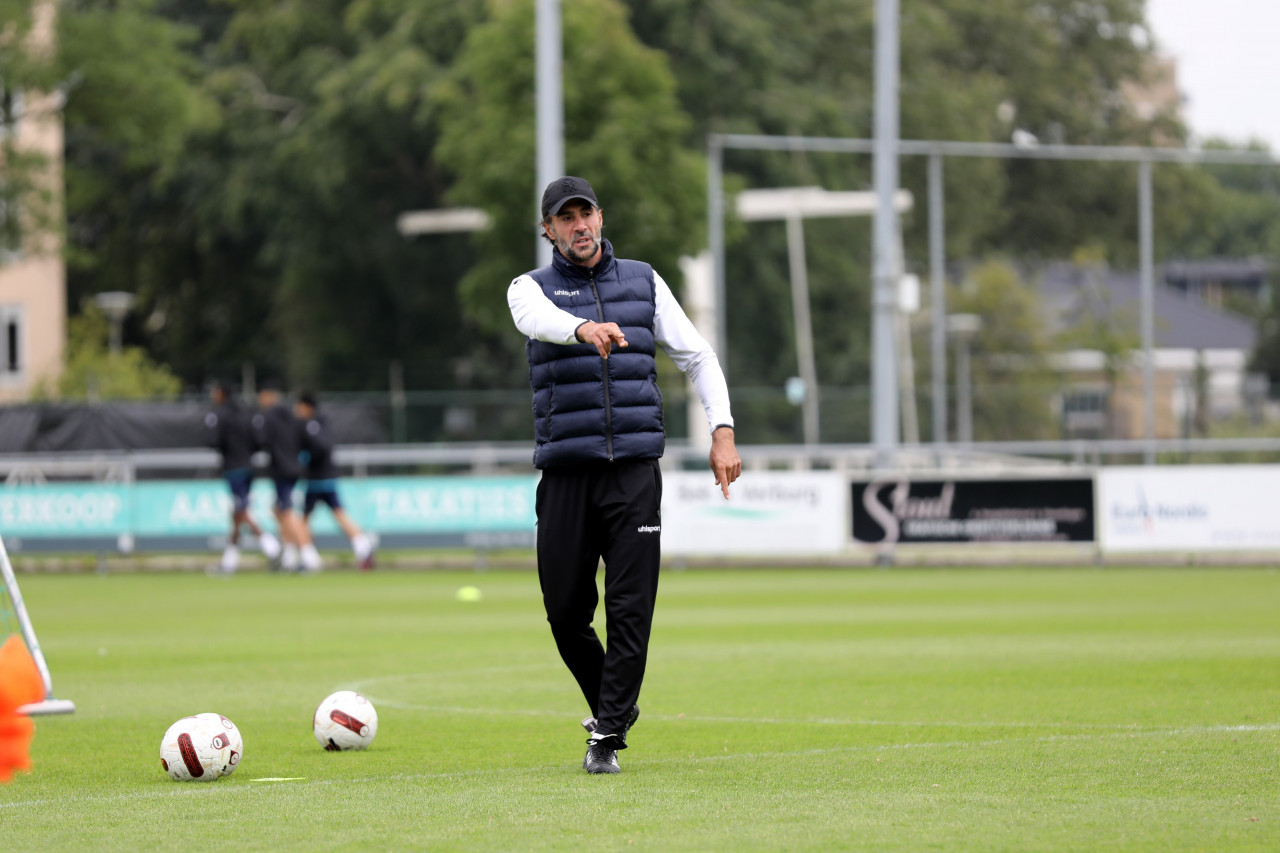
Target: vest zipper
604	367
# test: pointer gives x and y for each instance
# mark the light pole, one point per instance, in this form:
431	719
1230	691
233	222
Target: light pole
885	269
549	103
115	304
962	328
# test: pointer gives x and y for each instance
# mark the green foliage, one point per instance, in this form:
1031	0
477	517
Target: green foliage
131	82
1096	325
28	205
272	239
249	199
94	373
1093	323
1012	379
133	108
624	132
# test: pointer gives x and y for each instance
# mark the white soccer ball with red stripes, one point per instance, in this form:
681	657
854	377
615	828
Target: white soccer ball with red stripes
201	748
345	720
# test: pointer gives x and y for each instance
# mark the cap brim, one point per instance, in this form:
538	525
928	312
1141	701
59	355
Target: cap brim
562	202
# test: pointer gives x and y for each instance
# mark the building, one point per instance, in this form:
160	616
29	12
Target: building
1157	94
33	300
1222	281
1201	356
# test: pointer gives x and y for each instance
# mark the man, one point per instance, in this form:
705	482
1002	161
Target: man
322	476
280	434
227	431
594	323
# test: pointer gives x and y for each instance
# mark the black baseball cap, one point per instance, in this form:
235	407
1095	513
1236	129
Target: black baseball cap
563	189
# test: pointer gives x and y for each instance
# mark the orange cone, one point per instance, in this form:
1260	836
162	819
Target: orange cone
20	683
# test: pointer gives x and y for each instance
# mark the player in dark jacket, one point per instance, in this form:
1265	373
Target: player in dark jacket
227	431
279	433
322	476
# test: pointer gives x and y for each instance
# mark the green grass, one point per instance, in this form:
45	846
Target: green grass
839	709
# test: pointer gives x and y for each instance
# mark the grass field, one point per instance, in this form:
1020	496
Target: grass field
1079	709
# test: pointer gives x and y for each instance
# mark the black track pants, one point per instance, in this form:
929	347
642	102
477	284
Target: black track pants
608	510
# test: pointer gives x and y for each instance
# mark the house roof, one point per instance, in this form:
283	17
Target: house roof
1182	321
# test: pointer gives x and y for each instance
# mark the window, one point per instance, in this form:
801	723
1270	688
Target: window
1084	412
10	341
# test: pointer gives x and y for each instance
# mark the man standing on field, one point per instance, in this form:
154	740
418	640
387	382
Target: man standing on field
227	431
322	477
594	323
279	433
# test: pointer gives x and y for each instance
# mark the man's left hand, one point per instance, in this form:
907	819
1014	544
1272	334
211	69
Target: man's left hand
725	463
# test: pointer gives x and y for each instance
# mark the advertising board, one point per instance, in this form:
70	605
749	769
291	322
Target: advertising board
1189	508
471	511
769	512
957	510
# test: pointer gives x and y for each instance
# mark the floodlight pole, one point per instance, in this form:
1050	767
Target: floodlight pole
550	107
938	298
1146	264
884	382
715	237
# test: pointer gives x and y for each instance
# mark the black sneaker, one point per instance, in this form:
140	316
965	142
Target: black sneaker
602	755
590	722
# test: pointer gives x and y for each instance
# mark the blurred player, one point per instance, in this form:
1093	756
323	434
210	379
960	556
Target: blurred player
227	431
279	433
322	476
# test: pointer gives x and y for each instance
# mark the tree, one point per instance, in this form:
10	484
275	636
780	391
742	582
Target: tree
272	238
125	153
28	203
624	131
1012	381
1095	324
93	372
254	216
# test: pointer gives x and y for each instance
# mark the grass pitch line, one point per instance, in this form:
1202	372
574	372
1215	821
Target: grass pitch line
569	767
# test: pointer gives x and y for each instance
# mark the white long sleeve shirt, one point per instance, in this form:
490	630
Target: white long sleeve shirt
539	318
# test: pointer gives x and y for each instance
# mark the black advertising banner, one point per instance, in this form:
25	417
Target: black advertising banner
906	511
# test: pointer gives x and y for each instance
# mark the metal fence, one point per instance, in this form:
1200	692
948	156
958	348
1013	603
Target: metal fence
488	458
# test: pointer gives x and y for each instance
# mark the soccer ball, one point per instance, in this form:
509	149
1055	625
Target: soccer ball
232	736
201	748
345	720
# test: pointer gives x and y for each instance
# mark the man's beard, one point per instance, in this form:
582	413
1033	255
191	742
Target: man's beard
566	249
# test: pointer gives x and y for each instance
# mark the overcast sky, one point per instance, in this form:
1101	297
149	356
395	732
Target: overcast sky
1228	55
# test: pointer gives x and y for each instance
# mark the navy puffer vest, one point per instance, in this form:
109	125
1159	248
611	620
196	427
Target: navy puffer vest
586	408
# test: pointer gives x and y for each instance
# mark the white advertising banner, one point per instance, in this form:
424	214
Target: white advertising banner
1189	508
769	512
